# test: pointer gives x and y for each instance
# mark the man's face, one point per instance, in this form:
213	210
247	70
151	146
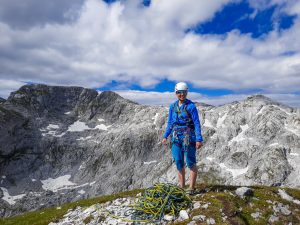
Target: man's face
181	95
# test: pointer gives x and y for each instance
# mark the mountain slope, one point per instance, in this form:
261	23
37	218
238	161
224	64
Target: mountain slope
62	144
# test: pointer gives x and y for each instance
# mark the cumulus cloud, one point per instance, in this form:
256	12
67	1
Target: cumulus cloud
24	15
125	41
7	86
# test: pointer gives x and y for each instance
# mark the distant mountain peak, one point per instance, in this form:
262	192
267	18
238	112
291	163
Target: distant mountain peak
112	97
258	96
261	98
202	104
41	89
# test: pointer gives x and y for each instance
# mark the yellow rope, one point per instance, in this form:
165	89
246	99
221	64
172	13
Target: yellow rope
156	202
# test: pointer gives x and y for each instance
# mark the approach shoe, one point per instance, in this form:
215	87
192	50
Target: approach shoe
191	191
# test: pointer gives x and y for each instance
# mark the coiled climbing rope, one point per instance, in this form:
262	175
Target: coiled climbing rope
155	202
159	200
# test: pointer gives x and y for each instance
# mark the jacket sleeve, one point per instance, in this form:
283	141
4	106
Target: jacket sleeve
169	123
196	120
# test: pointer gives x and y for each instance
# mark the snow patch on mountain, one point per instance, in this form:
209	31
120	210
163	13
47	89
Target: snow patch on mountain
83	138
150	162
51	129
235	172
101	127
260	111
57	183
210	158
294	154
155	118
9	198
79	126
52	126
207	123
240	136
220	122
60	183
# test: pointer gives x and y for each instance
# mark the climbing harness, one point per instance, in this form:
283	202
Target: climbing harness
179	114
183	137
183	134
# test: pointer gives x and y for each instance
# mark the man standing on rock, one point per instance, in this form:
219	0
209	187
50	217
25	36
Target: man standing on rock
184	127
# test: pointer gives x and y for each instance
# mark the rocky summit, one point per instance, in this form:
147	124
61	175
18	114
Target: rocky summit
62	144
215	205
211	204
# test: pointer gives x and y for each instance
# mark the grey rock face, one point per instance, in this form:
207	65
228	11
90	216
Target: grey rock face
244	191
255	141
61	144
273	219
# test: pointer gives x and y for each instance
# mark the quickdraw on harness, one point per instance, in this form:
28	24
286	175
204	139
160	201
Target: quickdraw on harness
182	132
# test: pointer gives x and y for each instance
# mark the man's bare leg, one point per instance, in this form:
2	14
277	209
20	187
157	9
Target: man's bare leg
193	177
181	177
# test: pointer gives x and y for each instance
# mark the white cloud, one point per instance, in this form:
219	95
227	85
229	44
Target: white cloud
179	13
124	41
148	97
7	86
38	13
287	99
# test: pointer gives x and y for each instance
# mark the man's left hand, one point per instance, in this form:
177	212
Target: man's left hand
198	144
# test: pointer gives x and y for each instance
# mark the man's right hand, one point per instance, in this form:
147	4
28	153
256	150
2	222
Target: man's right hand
164	141
198	144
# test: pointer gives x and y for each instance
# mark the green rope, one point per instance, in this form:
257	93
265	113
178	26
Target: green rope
160	200
157	201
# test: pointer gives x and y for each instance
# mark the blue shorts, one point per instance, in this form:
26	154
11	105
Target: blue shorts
179	155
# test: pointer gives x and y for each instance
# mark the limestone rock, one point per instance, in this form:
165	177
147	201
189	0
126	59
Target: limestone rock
184	214
244	191
62	144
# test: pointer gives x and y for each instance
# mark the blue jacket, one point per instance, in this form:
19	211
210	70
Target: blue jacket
174	119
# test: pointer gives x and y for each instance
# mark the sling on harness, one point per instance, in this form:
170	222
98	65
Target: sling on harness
183	134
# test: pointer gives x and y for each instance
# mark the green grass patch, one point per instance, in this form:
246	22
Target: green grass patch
45	216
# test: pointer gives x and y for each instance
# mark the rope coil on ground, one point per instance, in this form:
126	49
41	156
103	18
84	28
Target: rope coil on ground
160	200
155	202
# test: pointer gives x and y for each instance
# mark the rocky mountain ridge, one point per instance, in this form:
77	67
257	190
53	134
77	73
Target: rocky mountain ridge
61	144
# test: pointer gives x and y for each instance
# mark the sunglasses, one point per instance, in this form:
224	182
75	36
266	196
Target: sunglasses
181	92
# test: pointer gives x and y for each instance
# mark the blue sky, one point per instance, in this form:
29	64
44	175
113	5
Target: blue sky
224	49
163	86
247	20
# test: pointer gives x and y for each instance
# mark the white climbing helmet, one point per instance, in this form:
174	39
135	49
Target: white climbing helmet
181	86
